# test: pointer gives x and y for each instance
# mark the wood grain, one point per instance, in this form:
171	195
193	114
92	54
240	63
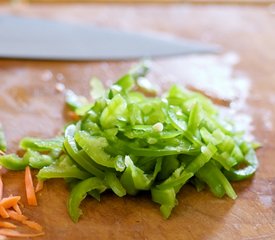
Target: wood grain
29	105
222	2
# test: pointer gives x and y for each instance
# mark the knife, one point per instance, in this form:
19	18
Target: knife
40	39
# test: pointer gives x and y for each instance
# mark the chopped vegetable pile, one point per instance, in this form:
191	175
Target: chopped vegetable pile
128	140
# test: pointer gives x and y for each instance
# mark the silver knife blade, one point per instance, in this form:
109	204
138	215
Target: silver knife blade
29	38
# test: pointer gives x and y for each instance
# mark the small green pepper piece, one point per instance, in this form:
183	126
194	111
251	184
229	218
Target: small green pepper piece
79	193
13	162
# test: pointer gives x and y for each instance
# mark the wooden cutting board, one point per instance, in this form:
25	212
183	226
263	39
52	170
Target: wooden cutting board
31	106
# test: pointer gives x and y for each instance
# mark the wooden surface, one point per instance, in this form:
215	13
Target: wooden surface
222	2
30	105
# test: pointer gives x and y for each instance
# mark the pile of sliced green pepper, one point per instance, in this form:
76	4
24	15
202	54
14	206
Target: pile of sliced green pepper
128	142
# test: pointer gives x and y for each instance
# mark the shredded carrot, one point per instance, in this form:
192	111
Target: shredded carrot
12	202
7	225
17	209
3	212
31	198
33	225
12	233
1	188
9	201
15	216
39	186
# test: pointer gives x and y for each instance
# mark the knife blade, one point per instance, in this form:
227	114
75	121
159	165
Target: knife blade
40	39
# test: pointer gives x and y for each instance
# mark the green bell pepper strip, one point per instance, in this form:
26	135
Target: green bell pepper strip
194	118
141	180
208	175
79	193
135	114
216	180
133	133
166	198
112	181
175	181
246	172
125	83
95	193
156	152
79	156
209	137
181	125
97	88
62	168
127	182
134	179
178	123
94	147
37	160
183	174
41	145
178	177
169	165
3	143
207	153
13	162
114	110
225	160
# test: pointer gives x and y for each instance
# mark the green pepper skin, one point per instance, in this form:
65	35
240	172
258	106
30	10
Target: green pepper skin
13	162
79	192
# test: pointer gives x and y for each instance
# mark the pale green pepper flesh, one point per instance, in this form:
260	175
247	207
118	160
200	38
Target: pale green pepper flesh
128	142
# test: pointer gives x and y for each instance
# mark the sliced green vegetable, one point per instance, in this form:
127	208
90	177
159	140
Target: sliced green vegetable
79	156
13	162
62	168
94	147
3	143
41	145
113	182
251	162
97	88
166	198
129	141
79	193
37	160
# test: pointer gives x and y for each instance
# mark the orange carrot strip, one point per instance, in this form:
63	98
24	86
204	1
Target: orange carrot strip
39	186
13	233
9	201
7	225
15	216
33	225
31	198
3	212
1	187
17	209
